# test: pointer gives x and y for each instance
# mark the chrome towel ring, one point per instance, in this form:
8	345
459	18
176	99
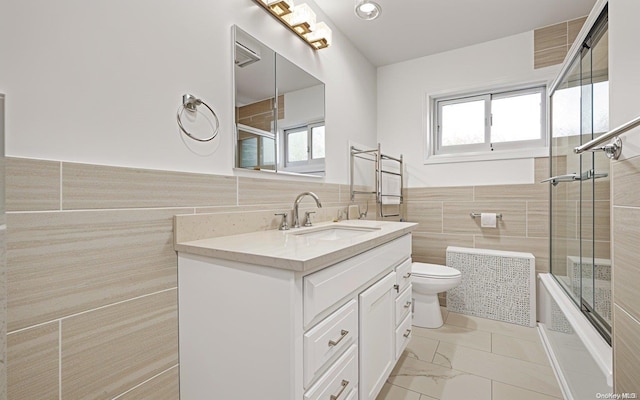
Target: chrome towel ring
189	103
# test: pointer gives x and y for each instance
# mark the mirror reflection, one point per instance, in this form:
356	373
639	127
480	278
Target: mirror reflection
280	111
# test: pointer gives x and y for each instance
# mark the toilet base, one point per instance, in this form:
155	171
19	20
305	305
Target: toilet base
426	311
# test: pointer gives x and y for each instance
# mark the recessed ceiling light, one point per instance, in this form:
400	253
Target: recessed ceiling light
367	10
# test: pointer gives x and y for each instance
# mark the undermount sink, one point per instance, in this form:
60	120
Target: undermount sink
335	233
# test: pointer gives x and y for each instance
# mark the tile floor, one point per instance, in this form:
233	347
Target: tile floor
472	358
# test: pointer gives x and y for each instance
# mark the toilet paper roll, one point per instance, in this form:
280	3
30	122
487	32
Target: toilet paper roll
488	220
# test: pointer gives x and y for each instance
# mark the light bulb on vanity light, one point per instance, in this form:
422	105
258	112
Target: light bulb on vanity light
280	7
321	36
302	19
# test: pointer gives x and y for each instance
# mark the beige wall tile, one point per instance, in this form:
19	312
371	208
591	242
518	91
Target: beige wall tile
32	368
267	191
536	191
459	193
87	186
626	347
549	57
537	246
427	214
538	219
108	351
596	220
163	387
573	28
626	176
541	171
432	247
3	315
67	262
457	219
550	36
626	281
564	219
32	185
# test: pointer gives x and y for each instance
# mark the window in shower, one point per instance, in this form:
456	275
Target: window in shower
580	204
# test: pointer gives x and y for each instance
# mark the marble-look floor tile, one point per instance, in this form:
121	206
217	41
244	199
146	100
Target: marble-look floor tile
421	348
480	340
523	349
392	392
501	391
439	382
527	375
484	324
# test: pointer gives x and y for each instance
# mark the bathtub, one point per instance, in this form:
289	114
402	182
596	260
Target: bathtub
580	357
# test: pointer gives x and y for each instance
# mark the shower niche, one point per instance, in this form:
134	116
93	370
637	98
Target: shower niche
580	185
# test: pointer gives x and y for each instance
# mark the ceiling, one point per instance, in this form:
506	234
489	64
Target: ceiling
408	29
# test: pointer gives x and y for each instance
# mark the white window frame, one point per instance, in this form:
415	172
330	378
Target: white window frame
437	153
308	165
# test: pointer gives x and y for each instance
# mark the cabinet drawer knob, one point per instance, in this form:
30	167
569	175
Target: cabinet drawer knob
343	333
407	333
408	304
344	385
407	275
397	288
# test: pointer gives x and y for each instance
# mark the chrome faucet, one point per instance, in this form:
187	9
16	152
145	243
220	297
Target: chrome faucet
296	203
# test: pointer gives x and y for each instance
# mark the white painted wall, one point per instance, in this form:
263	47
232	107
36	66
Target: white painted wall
403	90
100	81
624	64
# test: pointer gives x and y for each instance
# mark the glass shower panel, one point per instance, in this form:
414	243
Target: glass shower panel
580	204
597	282
565	196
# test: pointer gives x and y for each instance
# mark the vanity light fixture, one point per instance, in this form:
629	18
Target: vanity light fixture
367	9
301	20
279	7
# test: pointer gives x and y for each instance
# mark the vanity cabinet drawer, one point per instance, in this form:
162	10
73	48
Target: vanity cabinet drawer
339	381
403	305
326	287
403	275
329	338
403	335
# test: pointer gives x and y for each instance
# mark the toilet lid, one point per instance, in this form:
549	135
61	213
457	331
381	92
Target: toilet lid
433	270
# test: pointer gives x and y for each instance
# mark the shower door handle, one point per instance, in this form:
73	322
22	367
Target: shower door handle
563	178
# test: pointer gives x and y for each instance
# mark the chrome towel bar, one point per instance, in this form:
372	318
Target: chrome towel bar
477	215
613	150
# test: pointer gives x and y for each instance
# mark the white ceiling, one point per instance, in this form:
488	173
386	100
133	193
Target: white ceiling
409	29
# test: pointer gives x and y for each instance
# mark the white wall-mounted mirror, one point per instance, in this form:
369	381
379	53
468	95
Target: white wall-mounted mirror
279	111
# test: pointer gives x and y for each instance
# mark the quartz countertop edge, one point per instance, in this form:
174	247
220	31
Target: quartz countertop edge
291	251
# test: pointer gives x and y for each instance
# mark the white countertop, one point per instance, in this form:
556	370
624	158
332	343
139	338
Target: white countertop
292	251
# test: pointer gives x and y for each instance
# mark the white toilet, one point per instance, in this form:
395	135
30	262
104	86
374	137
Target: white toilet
428	280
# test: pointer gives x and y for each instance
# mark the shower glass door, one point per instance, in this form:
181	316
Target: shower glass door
580	206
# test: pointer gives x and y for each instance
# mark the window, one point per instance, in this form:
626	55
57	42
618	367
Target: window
304	145
256	148
487	122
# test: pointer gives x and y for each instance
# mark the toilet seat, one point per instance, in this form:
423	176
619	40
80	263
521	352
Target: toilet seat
433	271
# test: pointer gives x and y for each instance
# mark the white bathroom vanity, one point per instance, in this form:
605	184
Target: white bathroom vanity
311	313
